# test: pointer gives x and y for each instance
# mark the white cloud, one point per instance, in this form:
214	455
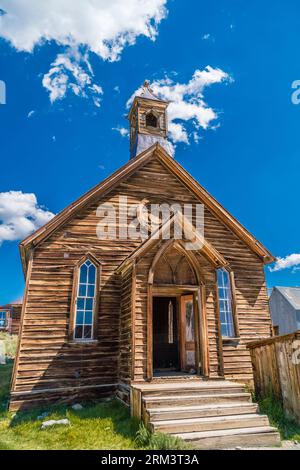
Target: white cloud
31	113
72	71
122	131
187	102
290	261
208	37
99	26
178	133
20	215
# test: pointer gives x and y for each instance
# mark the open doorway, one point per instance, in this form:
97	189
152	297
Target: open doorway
174	335
165	335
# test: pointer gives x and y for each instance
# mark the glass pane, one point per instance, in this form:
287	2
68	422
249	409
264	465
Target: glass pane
92	274
78	332
230	330
87	332
220	277
80	303
190	323
222	316
222	293
88	318
89	304
91	291
226	278
79	317
82	290
88	263
224	330
83	274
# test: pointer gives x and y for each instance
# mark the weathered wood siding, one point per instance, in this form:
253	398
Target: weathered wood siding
126	326
276	366
48	361
252	308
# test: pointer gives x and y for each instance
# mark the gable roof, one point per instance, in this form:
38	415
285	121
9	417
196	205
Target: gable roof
200	243
156	151
291	294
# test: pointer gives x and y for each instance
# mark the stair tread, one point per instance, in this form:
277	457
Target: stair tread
210	419
180	397
197	384
227	432
210	406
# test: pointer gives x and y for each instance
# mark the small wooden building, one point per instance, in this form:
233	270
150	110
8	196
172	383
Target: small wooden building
285	310
10	316
101	314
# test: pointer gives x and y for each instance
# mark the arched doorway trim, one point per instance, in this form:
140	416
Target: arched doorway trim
199	300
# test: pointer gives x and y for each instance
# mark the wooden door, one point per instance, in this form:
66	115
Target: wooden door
187	334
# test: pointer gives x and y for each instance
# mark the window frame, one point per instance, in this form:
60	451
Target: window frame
4	327
76	279
236	333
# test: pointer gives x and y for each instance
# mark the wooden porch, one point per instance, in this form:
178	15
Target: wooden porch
208	413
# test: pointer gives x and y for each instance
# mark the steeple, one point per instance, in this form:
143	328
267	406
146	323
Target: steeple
148	122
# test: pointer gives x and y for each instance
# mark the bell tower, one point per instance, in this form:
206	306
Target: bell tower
148	122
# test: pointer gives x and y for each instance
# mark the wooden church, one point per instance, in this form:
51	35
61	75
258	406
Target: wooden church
162	327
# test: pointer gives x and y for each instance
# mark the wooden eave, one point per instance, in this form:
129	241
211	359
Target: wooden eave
33	240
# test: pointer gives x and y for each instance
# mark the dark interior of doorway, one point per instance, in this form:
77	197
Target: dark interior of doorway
165	335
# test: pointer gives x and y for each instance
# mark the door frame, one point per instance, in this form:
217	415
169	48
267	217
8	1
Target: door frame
201	347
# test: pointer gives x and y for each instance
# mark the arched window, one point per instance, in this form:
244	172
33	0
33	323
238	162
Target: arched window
151	120
226	304
85	301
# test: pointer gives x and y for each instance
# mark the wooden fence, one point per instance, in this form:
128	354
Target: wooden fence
276	366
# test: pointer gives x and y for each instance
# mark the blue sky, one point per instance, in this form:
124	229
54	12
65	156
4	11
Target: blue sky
248	158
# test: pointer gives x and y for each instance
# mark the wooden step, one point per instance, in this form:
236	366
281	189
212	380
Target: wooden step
265	436
196	411
210	423
193	391
181	400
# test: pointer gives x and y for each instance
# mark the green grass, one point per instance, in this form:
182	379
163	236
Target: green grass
5	375
104	425
159	441
288	428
